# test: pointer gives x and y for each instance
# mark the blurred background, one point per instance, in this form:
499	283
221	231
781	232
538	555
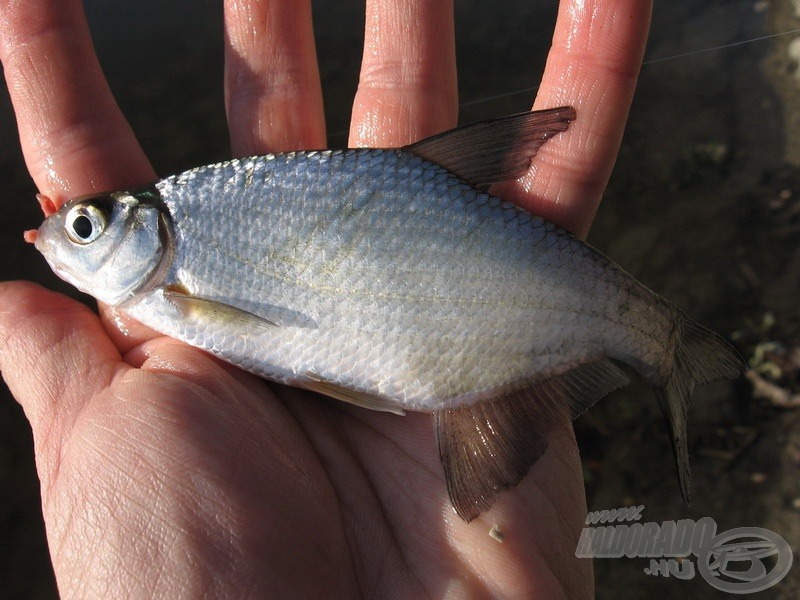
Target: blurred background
703	207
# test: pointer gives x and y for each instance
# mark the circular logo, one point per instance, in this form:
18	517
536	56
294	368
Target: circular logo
737	560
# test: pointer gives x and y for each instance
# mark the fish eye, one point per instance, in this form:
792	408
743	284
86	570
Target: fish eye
84	223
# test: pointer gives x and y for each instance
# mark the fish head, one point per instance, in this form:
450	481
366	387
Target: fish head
107	245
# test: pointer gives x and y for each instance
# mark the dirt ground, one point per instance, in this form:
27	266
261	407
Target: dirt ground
704	207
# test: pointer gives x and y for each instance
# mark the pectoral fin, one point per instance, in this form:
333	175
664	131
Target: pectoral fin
317	384
490	446
216	312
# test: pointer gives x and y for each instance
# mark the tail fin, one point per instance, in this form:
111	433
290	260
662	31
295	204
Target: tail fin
700	357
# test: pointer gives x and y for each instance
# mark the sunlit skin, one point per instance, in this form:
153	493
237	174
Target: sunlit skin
167	473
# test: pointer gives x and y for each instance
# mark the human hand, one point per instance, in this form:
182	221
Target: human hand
165	472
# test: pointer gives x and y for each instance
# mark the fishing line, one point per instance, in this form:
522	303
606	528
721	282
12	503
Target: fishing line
652	61
645	63
731	45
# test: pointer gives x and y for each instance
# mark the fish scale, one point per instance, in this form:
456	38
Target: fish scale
369	261
390	279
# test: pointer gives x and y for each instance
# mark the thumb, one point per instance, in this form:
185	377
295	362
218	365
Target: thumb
54	356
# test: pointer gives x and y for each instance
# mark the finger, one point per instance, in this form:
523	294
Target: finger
407	88
593	65
73	135
126	333
272	89
54	356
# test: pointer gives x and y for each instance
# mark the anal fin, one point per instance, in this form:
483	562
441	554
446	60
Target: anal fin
489	446
584	386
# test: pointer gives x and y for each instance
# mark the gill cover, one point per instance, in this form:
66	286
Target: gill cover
109	245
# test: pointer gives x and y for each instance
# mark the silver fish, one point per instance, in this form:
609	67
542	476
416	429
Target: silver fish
392	280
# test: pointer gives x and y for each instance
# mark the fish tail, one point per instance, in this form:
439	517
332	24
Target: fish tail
700	356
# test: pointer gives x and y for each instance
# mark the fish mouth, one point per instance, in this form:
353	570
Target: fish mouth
49	208
44	240
31	236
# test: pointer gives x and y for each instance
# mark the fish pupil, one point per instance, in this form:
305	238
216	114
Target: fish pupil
82	226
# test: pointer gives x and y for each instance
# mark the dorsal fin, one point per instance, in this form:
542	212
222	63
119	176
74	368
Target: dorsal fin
496	150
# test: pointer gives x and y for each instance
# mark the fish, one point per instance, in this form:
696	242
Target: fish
394	280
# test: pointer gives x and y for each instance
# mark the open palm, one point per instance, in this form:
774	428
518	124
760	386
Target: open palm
165	472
